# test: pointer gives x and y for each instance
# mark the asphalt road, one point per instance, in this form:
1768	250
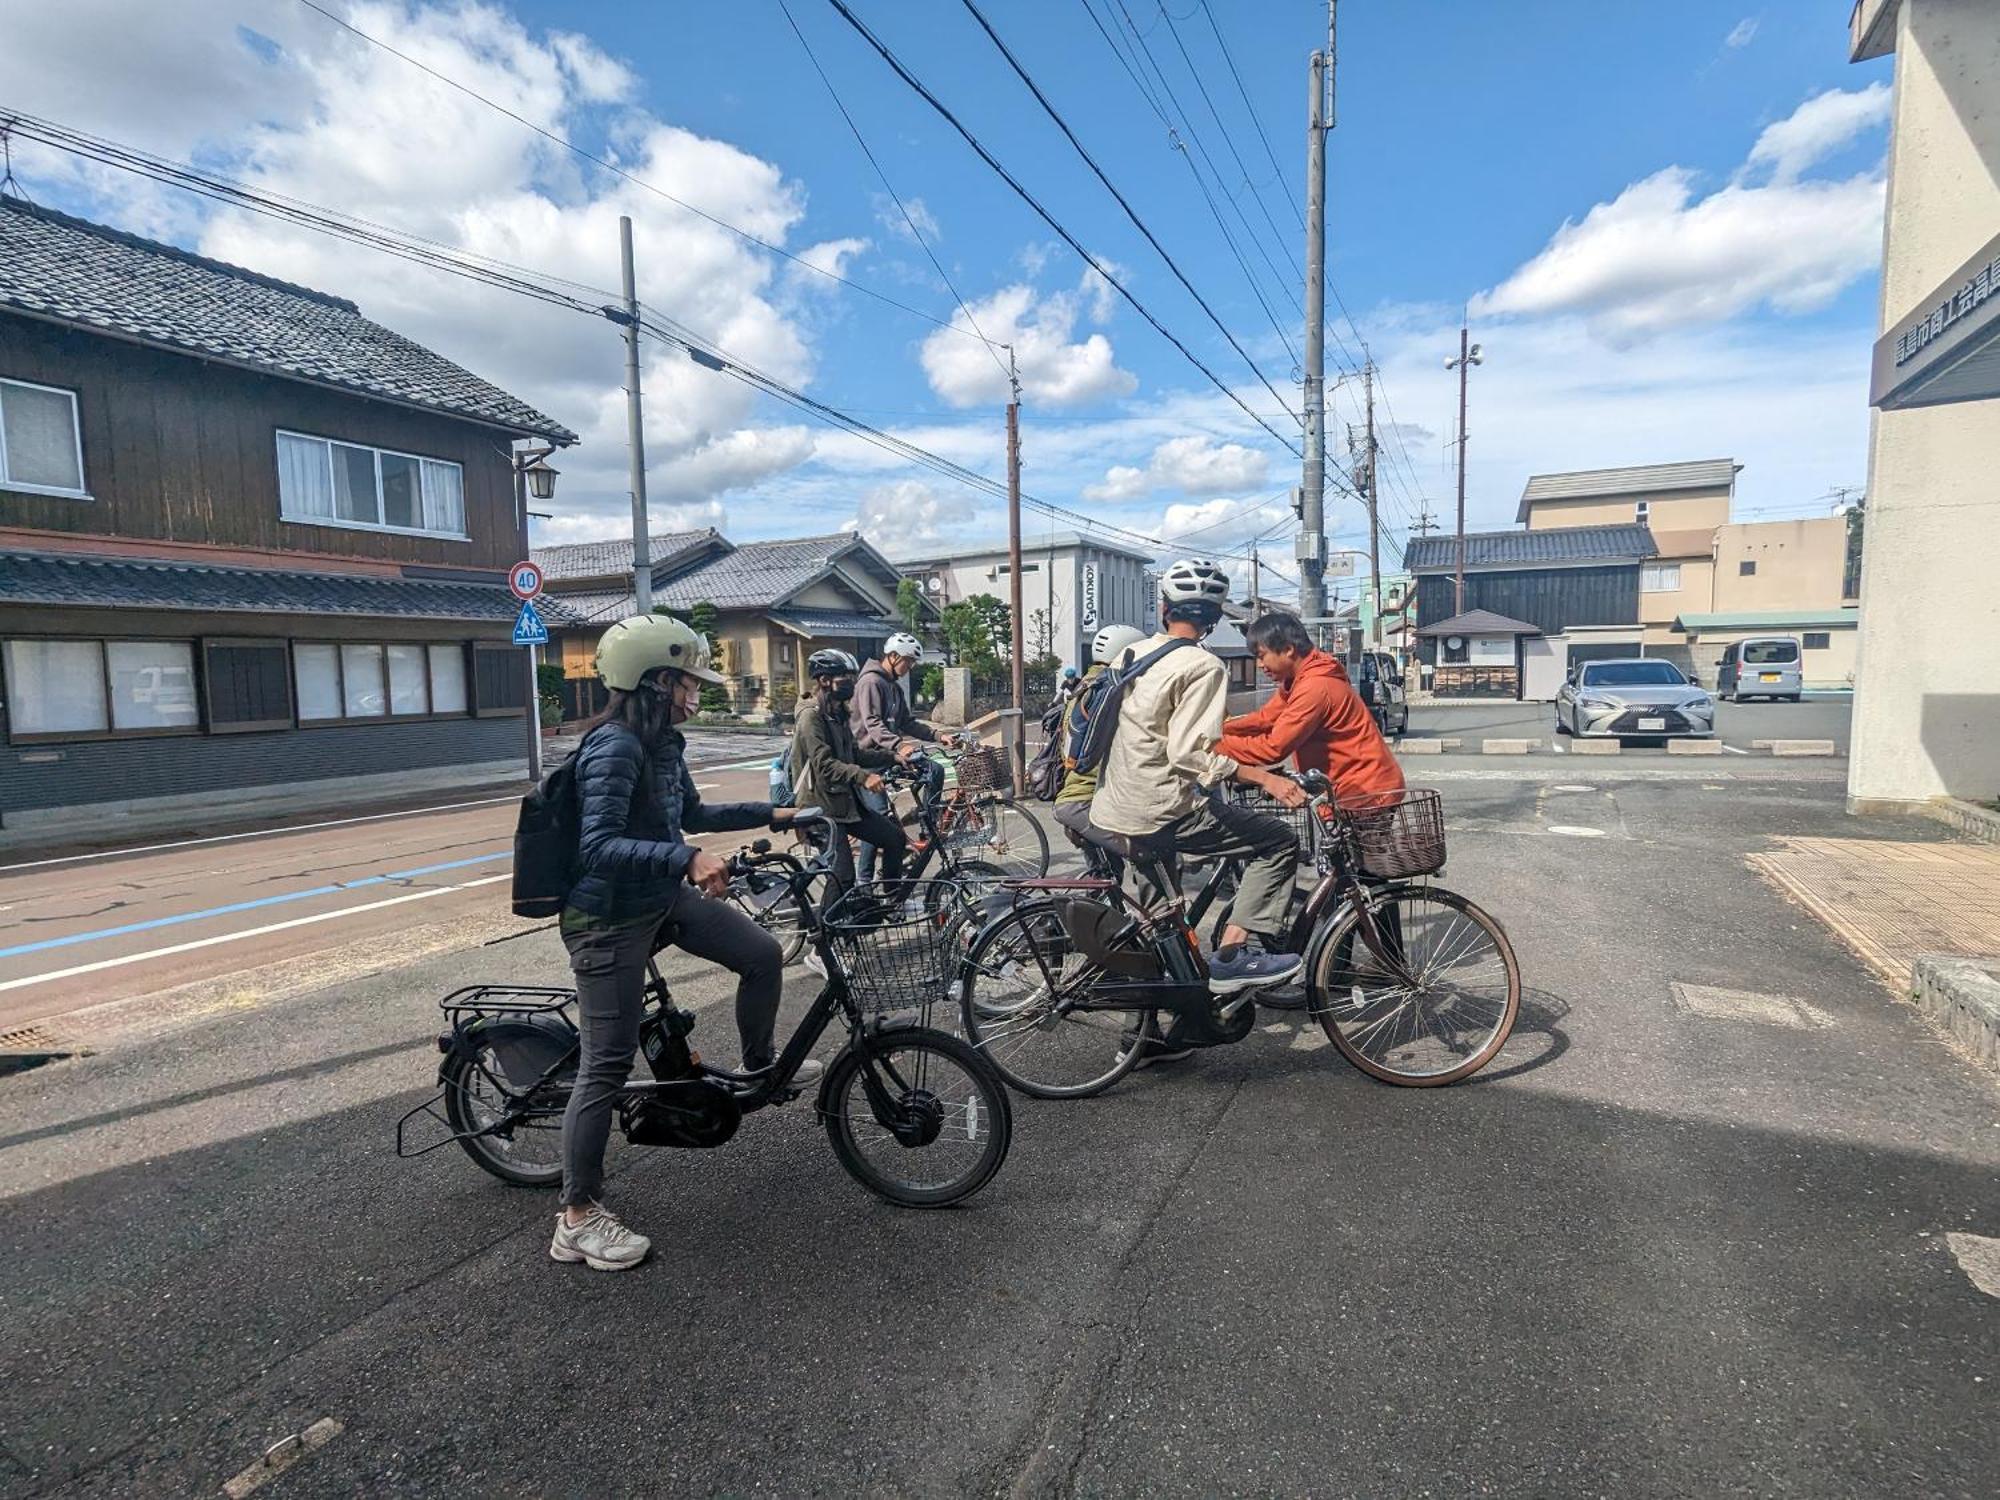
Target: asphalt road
1818	717
1648	1253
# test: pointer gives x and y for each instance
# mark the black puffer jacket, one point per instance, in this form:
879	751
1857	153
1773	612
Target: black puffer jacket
634	850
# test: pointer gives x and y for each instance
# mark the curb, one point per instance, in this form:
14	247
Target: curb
1968	818
1508	747
1962	996
1694	747
1595	747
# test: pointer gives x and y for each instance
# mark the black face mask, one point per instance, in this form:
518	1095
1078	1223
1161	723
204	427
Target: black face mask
839	692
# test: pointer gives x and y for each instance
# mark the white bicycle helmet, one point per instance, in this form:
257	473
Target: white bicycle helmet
1195	580
903	644
1106	645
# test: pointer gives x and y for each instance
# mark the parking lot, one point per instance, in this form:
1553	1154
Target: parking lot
1821	716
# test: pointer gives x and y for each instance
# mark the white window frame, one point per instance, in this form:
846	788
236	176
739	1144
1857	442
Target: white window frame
388	715
1641	510
76	436
1652	578
420	459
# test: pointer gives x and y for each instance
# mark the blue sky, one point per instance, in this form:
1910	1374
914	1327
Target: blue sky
1665	219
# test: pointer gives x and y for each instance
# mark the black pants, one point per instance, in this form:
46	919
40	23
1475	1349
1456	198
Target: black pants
892	846
610	968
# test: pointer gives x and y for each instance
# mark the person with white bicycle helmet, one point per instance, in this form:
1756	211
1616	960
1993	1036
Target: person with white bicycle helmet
832	770
1163	766
882	719
1107	645
641	886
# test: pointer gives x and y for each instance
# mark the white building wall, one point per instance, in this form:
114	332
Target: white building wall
1927	688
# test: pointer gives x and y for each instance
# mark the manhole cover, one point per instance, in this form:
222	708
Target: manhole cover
1715	1004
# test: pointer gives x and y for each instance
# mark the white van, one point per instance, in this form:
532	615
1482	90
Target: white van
1764	666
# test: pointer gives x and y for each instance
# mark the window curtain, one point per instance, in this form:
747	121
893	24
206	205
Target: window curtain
305	485
444	497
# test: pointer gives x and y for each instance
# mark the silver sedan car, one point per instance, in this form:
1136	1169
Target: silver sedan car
1640	696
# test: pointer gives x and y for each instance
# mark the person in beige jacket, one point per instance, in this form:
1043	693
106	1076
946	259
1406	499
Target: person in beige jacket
1163	767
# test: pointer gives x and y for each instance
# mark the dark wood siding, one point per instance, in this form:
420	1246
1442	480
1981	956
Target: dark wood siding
249	684
1551	599
179	449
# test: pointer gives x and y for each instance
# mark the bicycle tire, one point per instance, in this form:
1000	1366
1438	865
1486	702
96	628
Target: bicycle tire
1335	982
986	1107
1002	1031
462	1076
1002	833
784	916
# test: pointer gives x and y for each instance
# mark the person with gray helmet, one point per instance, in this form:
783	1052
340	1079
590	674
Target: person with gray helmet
1162	770
830	770
642	886
882	719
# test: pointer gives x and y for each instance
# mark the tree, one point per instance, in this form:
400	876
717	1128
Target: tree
977	631
1857	521
910	604
706	621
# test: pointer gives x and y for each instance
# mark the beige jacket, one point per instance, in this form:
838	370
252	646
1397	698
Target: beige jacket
1164	756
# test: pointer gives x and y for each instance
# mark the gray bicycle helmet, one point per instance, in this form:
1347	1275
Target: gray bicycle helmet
831	663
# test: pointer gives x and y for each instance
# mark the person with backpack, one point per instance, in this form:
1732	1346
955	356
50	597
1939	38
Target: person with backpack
882	719
1161	768
830	770
640	886
1108	648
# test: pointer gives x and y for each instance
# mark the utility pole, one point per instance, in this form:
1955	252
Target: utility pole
635	431
1468	356
1256	578
1312	491
1019	631
1374	522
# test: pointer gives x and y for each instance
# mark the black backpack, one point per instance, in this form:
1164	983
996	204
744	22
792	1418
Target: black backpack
1093	714
1046	770
548	839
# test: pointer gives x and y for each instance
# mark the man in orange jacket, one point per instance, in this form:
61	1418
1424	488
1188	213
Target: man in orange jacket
1315	717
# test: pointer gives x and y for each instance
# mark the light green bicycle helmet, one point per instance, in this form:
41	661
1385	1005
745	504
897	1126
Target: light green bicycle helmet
633	647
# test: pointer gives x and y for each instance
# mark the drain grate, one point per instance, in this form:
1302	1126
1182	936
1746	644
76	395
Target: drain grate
26	1047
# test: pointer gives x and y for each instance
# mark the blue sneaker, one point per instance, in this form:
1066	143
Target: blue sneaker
1245	967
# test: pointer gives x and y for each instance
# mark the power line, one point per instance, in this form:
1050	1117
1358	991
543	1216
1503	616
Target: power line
1112	188
1251	110
640	182
890	188
903	72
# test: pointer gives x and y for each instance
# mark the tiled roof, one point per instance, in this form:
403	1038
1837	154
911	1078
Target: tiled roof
44	578
607	559
1643	479
1562	546
816	624
72	271
1480	622
759	574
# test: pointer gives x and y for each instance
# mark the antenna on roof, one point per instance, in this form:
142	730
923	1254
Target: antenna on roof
7	177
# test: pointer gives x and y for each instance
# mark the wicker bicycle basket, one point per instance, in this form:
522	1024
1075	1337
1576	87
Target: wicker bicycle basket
1394	835
985	769
894	944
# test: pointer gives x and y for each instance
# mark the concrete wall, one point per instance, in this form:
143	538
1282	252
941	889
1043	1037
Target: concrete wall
1683	510
1927	694
1800	565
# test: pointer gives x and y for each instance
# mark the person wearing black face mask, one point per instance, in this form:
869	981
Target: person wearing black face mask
828	768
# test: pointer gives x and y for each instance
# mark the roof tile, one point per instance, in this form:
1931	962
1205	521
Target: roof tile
1560	546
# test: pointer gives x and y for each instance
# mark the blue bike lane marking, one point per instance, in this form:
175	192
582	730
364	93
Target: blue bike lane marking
235	906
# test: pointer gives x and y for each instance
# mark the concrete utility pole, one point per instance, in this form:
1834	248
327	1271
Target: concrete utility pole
1312	491
1374	522
1256	578
635	431
1468	356
1020	629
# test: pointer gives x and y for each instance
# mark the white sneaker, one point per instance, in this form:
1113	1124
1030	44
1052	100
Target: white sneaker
815	962
600	1242
809	1073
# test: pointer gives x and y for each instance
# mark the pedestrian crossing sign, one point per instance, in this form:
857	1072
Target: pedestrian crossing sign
528	627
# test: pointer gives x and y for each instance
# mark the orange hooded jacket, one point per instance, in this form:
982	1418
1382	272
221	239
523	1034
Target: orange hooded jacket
1318	719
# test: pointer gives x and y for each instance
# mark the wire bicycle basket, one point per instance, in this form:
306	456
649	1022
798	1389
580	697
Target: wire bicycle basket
1312	842
1393	835
896	944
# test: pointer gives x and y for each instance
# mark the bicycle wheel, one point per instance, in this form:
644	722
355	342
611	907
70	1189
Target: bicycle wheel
1001	833
526	1152
1023	1002
774	906
967	884
1452	1014
937	1130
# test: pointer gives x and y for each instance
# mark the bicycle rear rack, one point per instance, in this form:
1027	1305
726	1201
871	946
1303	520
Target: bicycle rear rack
482	1001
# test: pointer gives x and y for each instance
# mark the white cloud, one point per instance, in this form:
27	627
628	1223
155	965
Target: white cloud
1742	33
729	461
1660	256
909	515
833	256
892	219
610	527
1211	526
1194	465
1818	128
1056	368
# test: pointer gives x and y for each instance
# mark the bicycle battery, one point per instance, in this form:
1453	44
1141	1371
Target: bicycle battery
1104	935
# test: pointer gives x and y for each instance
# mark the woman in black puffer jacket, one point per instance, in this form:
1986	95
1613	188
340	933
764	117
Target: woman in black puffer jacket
643	887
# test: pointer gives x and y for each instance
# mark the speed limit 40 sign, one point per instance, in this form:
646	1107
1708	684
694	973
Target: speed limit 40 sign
525	579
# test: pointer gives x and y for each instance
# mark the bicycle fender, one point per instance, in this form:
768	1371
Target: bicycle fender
527	1047
1316	937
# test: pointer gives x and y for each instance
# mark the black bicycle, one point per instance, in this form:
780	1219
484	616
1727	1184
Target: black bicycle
913	1113
1412	983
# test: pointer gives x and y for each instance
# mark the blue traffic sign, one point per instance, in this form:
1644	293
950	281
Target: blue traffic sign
528	627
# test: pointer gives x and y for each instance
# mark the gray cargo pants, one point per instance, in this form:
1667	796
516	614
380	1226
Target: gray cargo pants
1270	856
609	962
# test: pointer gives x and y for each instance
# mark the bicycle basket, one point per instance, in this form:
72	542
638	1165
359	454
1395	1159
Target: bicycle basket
896	943
1395	835
1299	819
985	770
